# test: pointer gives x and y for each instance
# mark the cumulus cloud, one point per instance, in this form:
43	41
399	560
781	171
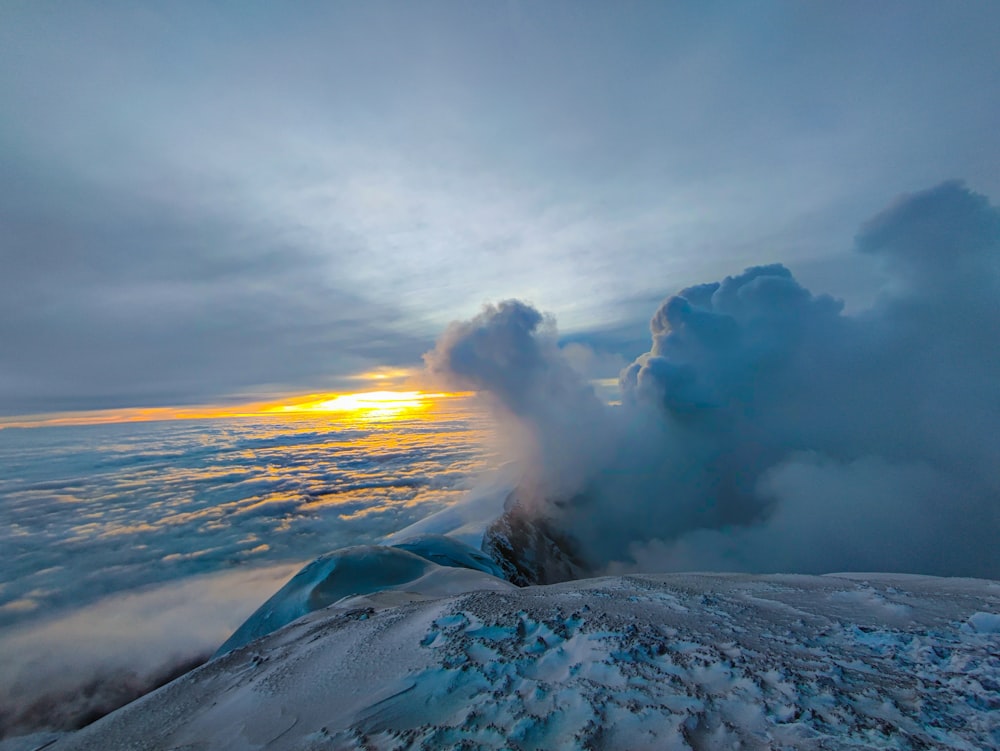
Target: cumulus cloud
766	428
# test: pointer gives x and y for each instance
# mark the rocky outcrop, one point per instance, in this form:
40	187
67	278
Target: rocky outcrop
529	549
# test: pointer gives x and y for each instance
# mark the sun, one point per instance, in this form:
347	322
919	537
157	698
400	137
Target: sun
364	406
369	405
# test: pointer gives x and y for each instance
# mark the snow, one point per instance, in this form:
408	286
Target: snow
684	661
352	573
447	551
985	623
467	520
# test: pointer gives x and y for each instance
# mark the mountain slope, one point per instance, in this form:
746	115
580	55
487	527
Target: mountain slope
683	661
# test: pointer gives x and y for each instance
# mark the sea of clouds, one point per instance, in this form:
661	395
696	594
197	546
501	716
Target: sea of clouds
129	552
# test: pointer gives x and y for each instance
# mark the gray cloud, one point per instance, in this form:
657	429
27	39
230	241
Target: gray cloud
766	429
109	299
180	185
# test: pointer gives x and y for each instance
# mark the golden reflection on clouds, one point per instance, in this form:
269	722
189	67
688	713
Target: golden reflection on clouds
396	399
119	506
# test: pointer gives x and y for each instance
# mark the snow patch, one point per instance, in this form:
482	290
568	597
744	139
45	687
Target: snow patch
984	623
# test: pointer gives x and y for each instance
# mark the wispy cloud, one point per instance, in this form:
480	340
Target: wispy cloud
67	670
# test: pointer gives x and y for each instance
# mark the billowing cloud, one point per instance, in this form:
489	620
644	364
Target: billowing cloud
766	429
509	352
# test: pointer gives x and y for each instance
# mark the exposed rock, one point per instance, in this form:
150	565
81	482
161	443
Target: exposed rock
528	549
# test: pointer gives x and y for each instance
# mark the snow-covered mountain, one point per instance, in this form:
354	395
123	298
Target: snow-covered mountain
422	567
528	549
683	661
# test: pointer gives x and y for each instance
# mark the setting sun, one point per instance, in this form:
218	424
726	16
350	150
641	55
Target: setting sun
368	404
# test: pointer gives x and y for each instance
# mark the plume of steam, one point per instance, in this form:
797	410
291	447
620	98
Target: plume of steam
509	353
766	429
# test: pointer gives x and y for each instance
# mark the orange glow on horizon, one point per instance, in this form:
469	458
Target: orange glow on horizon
363	406
366	404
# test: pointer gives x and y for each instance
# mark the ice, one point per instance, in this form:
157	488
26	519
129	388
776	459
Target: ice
985	623
684	661
447	551
353	575
30	742
468	519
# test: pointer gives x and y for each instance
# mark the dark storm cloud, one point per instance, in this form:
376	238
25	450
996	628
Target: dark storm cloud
766	429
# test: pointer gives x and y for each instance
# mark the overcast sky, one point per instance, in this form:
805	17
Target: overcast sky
207	201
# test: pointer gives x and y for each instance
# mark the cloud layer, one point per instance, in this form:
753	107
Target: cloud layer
128	551
71	668
766	429
199	204
92	510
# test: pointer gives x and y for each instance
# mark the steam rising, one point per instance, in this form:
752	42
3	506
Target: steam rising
766	429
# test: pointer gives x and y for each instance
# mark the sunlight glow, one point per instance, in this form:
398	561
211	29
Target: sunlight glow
368	404
363	406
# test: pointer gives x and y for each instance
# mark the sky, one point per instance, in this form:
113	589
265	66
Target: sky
215	202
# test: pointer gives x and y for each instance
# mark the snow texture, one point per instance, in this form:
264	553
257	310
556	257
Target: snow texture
673	661
365	569
447	551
